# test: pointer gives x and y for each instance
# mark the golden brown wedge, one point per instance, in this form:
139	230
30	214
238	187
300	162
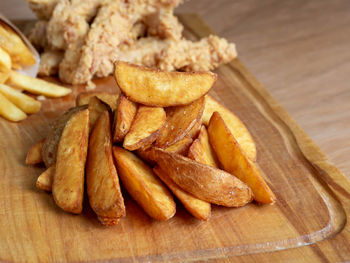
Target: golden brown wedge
109	98
143	185
153	87
10	111
53	136
102	182
203	181
201	150
96	107
68	183
123	117
235	125
193	133
198	208
145	128
24	102
34	155
234	160
179	121
181	147
45	180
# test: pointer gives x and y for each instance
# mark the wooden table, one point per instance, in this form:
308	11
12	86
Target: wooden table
299	50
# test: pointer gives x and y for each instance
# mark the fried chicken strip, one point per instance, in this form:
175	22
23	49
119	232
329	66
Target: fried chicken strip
49	61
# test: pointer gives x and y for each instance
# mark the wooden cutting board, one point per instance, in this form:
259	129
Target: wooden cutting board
308	223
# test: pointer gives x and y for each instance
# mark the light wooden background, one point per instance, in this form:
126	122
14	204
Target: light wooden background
300	51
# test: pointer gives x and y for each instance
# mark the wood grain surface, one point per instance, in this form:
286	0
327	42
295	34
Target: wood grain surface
298	49
313	196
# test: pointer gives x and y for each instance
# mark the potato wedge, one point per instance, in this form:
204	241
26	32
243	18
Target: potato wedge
34	155
14	46
201	150
5	61
21	100
96	107
235	125
193	133
179	121
36	86
45	180
123	117
203	181
198	208
145	127
235	161
153	87
102	182
181	147
10	111
68	183
53	136
4	76
109	98
143	185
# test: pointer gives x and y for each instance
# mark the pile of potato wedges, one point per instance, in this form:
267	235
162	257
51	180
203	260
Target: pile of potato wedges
161	136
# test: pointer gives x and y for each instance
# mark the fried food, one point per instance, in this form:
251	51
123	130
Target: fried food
179	122
198	208
109	98
203	181
49	61
45	180
68	183
37	86
5	61
42	8
143	185
181	147
10	111
163	89
201	150
193	133
235	125
4	76
145	128
24	102
234	160
34	155
37	36
123	117
96	107
102	182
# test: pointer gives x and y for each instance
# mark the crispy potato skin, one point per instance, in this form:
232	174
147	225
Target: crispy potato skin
198	208
102	180
235	125
96	107
152	87
179	122
181	147
49	150
45	180
123	117
201	150
34	155
193	133
145	128
204	182
234	160
109	98
68	184
143	185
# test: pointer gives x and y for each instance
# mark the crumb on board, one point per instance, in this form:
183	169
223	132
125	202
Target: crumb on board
90	86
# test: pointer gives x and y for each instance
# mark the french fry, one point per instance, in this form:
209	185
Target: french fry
45	180
235	161
5	61
235	125
102	182
145	127
201	150
198	208
34	155
22	101
203	181
4	76
36	86
143	185
179	121
109	98
123	117
68	183
10	111
96	107
153	87
14	46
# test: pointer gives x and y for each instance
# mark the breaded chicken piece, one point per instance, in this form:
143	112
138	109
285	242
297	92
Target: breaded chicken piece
42	8
49	62
37	35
